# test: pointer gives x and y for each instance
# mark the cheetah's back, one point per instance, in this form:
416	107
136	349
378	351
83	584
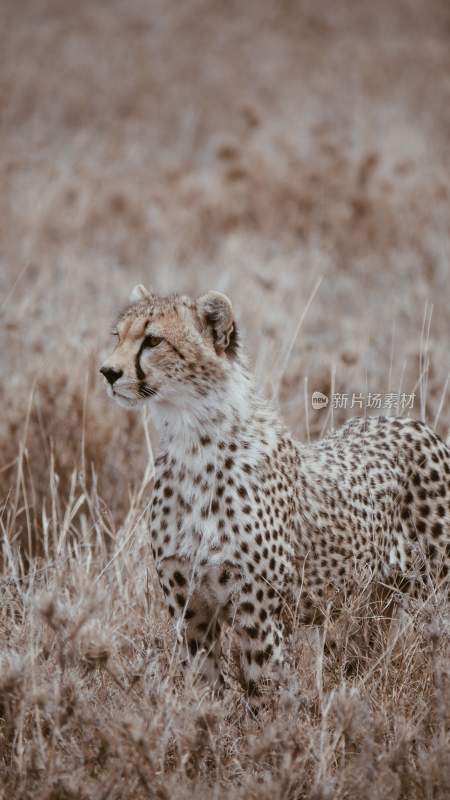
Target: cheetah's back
375	495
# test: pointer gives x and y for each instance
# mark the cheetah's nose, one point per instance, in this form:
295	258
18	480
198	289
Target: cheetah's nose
111	375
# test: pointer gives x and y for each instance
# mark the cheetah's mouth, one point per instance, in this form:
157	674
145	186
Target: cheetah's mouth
131	400
121	399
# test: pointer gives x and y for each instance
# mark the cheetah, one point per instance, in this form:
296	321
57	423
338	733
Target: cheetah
245	522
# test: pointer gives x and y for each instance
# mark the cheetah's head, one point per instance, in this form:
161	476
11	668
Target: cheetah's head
171	352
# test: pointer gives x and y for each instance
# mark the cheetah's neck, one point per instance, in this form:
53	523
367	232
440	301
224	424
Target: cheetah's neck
207	465
232	422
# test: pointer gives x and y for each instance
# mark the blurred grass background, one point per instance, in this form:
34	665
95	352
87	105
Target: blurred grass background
247	147
252	148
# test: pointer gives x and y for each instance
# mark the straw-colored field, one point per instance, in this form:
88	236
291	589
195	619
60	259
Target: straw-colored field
295	155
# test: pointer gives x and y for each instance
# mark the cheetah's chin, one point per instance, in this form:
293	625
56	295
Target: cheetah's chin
123	400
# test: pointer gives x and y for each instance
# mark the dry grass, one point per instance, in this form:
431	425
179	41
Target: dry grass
253	148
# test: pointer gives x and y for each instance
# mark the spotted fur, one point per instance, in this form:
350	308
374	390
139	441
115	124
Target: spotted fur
249	527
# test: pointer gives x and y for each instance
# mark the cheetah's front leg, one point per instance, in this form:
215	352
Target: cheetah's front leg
200	632
259	639
197	625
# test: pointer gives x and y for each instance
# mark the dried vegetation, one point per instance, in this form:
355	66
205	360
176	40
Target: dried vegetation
254	148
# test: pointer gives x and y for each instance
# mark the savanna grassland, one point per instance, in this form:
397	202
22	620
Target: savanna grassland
296	156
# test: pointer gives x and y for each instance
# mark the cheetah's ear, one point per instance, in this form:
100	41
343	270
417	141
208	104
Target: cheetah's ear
139	293
216	311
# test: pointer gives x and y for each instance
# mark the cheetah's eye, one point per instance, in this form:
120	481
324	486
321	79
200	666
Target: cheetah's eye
151	341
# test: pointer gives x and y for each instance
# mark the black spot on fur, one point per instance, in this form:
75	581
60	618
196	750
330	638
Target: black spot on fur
179	578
